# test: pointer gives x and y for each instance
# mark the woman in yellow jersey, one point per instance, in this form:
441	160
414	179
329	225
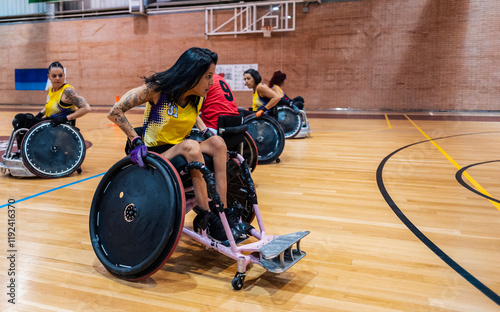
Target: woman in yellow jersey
173	99
276	83
264	98
63	103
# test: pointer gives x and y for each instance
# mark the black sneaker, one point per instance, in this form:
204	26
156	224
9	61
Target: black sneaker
237	228
208	220
237	210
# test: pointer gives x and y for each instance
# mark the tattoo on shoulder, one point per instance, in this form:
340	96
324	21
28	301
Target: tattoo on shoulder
74	98
136	97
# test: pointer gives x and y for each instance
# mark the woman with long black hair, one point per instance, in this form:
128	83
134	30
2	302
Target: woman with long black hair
173	99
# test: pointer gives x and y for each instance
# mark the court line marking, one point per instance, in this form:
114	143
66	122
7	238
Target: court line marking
52	190
388	122
460	172
361	131
451	160
421	236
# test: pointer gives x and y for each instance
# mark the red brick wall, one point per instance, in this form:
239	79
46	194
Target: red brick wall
383	54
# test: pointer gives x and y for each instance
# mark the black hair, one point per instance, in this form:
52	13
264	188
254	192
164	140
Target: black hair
184	74
255	75
55	65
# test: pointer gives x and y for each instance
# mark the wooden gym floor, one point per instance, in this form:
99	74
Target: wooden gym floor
391	201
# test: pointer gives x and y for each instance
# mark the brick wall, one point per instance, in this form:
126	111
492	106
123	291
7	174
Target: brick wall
383	54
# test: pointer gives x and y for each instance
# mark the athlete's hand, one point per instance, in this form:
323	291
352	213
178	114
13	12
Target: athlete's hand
261	110
58	120
139	151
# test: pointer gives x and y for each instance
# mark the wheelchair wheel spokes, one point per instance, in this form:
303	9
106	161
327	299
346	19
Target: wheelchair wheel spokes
136	217
290	121
53	152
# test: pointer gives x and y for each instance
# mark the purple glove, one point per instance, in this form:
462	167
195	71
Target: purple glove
139	151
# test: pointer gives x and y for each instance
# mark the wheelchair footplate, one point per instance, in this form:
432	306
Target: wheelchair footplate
12	162
14	165
278	255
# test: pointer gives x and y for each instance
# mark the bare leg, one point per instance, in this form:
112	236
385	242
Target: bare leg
191	150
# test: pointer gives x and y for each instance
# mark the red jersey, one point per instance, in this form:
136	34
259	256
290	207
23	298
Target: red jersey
219	101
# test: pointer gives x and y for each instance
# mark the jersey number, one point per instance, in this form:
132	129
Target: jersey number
227	91
172	110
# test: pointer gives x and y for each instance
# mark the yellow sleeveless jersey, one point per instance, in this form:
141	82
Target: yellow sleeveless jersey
54	107
280	91
258	101
168	123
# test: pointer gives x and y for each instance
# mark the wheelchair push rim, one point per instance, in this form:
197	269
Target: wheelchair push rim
290	121
267	135
137	216
52	152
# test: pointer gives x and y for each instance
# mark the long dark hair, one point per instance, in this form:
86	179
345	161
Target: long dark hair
184	75
277	79
255	75
55	65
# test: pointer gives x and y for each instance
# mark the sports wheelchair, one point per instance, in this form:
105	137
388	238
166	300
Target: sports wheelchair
137	217
46	151
293	121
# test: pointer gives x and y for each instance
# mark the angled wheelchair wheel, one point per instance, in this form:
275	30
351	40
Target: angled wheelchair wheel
267	135
237	191
290	121
136	217
52	152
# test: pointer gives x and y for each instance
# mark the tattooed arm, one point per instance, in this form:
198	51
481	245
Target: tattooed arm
72	97
131	99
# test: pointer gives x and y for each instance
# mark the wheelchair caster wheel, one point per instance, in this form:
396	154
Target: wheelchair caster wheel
278	160
238	280
79	170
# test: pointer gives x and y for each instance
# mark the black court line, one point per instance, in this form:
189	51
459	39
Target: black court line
460	180
421	236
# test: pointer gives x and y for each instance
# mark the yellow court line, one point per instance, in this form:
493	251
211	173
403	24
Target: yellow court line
371	130
466	175
388	122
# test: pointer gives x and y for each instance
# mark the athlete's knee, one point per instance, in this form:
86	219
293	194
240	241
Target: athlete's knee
217	142
191	149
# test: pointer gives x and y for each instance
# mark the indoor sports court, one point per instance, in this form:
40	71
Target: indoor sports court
392	190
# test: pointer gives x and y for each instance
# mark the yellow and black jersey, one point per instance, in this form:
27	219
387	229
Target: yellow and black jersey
169	123
55	107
